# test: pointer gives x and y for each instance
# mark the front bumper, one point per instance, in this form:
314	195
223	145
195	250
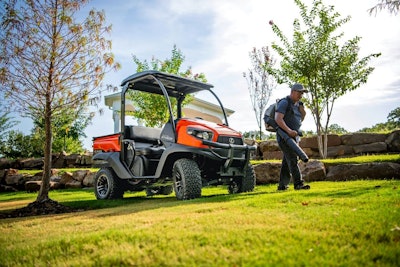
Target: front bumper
230	152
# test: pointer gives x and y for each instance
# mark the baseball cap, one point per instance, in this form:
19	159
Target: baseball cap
299	87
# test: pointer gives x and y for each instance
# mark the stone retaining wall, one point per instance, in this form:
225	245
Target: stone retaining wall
12	180
338	145
314	170
266	173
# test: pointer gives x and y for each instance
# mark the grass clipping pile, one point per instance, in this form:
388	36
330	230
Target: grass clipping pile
37	208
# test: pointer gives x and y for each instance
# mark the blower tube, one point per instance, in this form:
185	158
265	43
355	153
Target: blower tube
292	144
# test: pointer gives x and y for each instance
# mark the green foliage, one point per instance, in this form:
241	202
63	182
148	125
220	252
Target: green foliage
316	59
394	117
336	129
68	128
6	122
392	124
51	62
152	109
17	145
352	223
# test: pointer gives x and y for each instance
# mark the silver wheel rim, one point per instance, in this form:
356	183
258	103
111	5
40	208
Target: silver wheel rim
102	186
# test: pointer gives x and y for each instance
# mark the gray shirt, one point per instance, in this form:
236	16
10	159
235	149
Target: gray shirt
292	115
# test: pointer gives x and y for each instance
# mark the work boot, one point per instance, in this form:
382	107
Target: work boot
283	187
302	187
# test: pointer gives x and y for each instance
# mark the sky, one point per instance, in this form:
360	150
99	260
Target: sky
216	36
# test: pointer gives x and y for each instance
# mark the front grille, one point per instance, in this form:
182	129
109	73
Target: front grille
226	140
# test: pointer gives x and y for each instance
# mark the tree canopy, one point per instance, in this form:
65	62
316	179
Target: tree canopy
318	58
151	109
51	62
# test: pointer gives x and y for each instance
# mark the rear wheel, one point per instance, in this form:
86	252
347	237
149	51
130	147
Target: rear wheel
187	179
249	179
245	183
107	185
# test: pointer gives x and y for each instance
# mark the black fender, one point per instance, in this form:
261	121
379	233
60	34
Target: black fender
111	159
176	151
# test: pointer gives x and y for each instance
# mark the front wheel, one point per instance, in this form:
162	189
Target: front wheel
107	185
187	179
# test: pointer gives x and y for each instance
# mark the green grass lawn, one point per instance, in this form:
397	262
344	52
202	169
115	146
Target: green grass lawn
355	223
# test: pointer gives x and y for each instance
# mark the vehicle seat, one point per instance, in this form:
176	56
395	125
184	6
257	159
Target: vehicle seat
146	140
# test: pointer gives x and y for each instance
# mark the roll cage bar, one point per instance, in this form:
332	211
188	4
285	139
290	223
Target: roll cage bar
168	85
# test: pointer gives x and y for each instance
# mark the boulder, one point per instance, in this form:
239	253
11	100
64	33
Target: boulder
311	153
2	176
14	179
86	160
71	160
267	173
313	170
362	138
58	160
31	163
269	145
88	181
5	163
273	155
80	175
339	151
383	170
370	148
66	177
312	142
393	141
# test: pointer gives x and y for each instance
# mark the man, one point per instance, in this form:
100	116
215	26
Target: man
289	115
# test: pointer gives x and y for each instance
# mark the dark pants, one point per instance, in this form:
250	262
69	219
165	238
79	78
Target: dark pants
289	167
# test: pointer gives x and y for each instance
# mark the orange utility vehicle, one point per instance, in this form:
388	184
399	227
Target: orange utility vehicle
184	155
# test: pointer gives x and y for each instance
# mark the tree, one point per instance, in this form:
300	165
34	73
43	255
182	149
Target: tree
51	63
6	122
336	129
67	129
149	108
393	123
17	145
260	83
394	117
392	5
316	59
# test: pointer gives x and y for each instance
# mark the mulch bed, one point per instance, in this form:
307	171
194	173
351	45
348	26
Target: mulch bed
38	208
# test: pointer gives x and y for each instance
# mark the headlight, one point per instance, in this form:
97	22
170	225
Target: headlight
200	134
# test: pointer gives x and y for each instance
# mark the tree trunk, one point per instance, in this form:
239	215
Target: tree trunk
325	149
45	187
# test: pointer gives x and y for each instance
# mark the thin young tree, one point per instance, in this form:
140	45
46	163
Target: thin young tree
52	62
260	83
316	58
